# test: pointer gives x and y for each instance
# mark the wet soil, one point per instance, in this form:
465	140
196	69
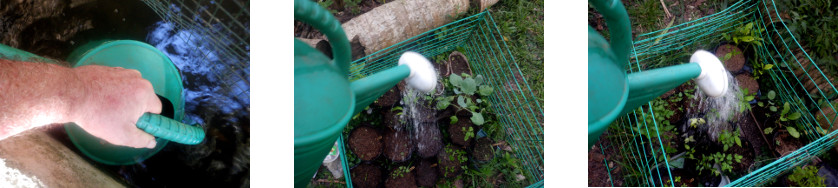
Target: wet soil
365	142
392	119
457	134
736	62
458	63
747	82
390	98
367	175
448	161
396	180
397	145
483	150
787	144
427	172
428	140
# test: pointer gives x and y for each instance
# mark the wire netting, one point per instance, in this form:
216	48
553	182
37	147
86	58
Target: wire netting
513	102
212	40
637	136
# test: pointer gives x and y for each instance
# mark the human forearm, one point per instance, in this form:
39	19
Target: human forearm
35	94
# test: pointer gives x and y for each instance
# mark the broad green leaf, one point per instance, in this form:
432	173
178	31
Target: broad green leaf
768	130
749	98
469	86
727	56
794	116
442	104
454	120
461	101
478	80
793	132
479	101
738	142
477	118
771	95
785	109
455	80
760	104
486	90
768	66
773	108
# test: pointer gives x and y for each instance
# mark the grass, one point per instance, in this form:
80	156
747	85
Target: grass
522	24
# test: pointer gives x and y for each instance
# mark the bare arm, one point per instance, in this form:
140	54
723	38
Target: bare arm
105	101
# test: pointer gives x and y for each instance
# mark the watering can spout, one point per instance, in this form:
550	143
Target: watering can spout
414	68
708	72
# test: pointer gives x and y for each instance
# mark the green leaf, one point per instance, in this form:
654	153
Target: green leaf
477	118
727	56
794	116
771	95
768	130
785	109
455	80
486	90
442	104
768	66
454	120
773	108
793	132
469	86
738	142
478	80
461	101
749	98
760	104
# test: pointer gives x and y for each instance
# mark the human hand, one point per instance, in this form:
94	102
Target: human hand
110	101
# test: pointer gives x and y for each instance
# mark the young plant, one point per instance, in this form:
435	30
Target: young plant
728	138
401	171
806	177
464	87
469	133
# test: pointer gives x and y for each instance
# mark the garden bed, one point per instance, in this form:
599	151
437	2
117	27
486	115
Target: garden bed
432	139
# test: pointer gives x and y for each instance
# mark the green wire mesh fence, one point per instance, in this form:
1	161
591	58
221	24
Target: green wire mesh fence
219	31
513	102
638	139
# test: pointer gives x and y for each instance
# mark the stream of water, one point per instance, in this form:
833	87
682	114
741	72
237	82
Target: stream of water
718	112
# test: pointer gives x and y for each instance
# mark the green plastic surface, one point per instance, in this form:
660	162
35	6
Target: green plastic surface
154	67
324	99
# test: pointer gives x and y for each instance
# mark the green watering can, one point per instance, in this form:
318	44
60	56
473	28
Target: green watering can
154	67
325	100
612	92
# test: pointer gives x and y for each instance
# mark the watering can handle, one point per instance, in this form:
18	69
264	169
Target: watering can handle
619	27
311	13
170	129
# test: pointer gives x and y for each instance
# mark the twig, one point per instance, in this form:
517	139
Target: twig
668	15
330	181
760	131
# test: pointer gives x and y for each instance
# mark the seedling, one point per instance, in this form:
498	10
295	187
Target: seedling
806	177
469	133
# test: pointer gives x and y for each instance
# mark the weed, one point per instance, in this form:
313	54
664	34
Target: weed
400	172
469	133
806	177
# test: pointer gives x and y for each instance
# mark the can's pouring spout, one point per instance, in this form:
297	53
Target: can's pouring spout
414	68
713	79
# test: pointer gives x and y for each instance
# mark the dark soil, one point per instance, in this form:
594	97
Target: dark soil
403	180
389	98
366	175
597	173
747	82
736	62
427	172
442	69
365	142
456	133
483	150
397	145
458	63
392	119
449	164
428	139
788	143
